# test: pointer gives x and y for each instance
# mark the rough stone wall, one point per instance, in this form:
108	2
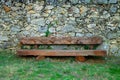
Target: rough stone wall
61	18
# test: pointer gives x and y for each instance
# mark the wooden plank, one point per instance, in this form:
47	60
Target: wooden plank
62	52
80	58
61	40
40	57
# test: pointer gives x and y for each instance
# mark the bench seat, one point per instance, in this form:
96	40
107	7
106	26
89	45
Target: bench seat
79	54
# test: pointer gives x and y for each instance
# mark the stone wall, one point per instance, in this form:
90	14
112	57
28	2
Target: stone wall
61	18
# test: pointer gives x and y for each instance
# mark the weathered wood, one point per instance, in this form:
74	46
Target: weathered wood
91	42
61	40
62	52
40	57
80	58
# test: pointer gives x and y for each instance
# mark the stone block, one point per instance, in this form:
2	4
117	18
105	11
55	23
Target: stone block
112	35
85	1
1	27
74	1
3	38
114	49
51	2
79	34
39	21
113	9
68	28
101	1
15	28
42	29
112	1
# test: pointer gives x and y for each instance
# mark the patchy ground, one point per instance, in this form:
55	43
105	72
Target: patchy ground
13	67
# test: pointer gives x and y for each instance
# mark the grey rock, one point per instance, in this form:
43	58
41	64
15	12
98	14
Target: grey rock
20	35
1	46
47	21
49	7
106	15
15	8
68	28
102	1
45	15
34	16
52	30
7	45
59	28
88	34
18	4
33	34
113	9
104	46
118	33
8	3
7	19
74	1
66	6
51	2
40	21
79	20
15	28
112	28
3	1
3	38
28	20
38	8
21	18
1	27
75	15
117	53
71	34
84	1
87	1
42	29
72	18
75	10
91	25
111	35
113	49
72	22
19	12
1	21
113	1
79	34
117	19
42	34
26	33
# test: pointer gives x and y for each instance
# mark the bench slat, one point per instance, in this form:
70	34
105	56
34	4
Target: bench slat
61	40
62	52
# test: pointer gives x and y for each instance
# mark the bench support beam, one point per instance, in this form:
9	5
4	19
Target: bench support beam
62	52
80	58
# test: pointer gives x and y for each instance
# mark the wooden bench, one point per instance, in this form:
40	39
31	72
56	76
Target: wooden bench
35	42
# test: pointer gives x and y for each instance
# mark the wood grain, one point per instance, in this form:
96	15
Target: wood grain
61	40
62	52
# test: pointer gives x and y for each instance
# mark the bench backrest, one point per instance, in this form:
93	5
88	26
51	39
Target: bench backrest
60	40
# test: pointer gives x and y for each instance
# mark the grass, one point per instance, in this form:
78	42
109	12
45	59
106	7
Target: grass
13	67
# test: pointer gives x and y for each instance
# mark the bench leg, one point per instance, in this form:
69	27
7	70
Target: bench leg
40	57
80	58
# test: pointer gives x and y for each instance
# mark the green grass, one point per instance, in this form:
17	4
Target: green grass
13	67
